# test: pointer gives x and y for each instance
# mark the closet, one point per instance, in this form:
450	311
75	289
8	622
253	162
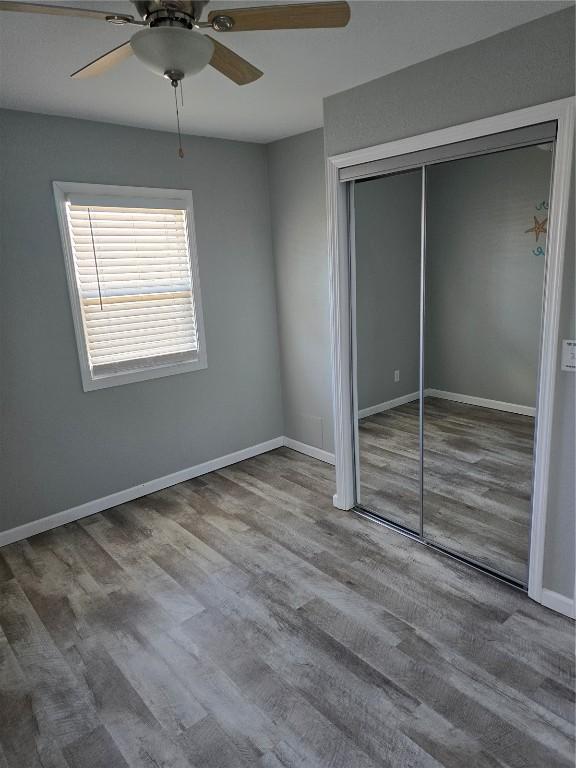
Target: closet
448	273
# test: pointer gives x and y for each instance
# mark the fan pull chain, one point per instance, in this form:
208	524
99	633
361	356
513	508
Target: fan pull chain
180	150
95	259
181	94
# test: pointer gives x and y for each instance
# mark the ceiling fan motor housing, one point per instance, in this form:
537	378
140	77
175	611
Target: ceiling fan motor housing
169	50
184	10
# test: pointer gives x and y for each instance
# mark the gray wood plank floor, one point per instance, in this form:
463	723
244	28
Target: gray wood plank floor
477	478
240	620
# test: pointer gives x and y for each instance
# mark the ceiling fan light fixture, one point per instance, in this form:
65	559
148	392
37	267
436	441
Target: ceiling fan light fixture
172	49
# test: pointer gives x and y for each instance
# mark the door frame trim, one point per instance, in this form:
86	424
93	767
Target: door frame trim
340	254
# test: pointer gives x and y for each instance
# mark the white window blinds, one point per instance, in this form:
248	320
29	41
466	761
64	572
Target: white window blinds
135	286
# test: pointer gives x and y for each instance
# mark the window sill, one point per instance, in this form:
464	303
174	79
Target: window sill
131	377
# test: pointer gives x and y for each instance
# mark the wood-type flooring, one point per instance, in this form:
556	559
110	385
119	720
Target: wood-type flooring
239	620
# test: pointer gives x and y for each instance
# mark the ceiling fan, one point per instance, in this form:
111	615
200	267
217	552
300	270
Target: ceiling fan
171	44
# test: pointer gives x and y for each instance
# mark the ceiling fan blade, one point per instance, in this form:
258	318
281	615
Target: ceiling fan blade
232	65
105	62
297	16
61	10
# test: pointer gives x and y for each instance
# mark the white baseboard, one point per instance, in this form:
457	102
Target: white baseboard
121	497
310	450
143	489
559	603
379	407
483	402
497	405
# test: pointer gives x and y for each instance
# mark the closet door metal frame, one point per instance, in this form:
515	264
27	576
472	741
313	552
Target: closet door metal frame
421	362
340	250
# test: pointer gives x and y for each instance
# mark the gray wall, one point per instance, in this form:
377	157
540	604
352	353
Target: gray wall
524	66
387	237
298	203
62	446
484	282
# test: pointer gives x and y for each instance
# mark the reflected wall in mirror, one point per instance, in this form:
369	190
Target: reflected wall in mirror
387	213
485	263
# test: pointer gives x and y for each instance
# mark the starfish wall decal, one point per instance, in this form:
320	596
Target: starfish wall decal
539	227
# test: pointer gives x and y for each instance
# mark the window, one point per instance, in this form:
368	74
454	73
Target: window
133	280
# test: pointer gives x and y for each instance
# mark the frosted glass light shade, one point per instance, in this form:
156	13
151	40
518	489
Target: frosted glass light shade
172	49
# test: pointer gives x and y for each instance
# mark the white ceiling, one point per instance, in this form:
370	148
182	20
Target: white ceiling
38	53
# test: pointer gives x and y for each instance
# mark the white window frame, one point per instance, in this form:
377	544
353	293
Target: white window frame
171	197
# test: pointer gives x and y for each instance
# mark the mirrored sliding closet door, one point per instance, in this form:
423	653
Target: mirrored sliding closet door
388	280
448	276
485	263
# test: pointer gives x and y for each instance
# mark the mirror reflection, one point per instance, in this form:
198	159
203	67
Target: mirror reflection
388	251
485	258
453	361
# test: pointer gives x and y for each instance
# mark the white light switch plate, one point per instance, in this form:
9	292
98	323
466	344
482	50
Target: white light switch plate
569	355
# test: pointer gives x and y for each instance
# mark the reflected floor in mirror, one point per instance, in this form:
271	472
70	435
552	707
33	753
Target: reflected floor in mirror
390	465
478	470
